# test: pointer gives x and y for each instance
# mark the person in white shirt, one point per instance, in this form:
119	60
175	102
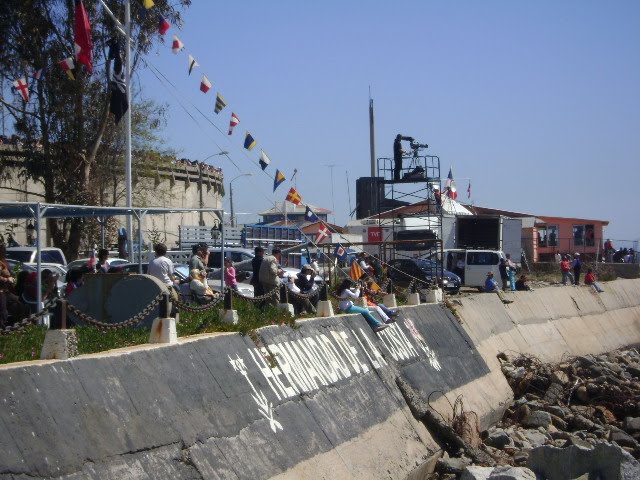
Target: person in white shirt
161	267
347	295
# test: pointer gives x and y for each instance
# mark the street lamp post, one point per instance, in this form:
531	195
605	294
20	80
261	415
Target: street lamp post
233	219
200	179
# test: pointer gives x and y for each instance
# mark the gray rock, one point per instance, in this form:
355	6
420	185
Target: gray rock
557	411
558	422
632	424
521	457
577	442
614	367
579	422
582	394
534	437
622	438
452	464
536	419
507	472
607	461
634	369
476	473
498	439
558	376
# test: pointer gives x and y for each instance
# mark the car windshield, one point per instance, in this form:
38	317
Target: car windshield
19	255
426	264
182	270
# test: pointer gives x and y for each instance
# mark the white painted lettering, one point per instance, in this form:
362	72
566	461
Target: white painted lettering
322	359
349	351
377	360
338	364
297	373
270	374
316	368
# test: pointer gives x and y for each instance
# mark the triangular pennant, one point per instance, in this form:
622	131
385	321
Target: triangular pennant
177	45
279	178
233	122
163	25
68	66
220	103
192	63
205	84
249	141
264	160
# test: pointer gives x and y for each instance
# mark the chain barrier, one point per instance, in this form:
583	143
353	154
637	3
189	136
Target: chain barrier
184	306
30	320
137	318
304	296
258	299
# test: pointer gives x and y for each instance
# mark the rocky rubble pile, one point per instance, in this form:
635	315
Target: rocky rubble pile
579	418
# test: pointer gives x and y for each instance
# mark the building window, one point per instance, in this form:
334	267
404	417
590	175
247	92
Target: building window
584	235
548	236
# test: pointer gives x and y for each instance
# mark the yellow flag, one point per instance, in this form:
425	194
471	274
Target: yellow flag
148	4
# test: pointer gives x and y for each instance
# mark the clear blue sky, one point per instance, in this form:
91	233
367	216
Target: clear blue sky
538	103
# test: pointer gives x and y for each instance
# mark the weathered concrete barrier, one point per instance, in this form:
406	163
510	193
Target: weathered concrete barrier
319	401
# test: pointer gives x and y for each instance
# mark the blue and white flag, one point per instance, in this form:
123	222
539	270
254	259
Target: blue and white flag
340	253
309	216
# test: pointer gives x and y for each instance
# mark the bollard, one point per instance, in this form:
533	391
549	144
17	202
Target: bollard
284	301
163	329
324	292
59	342
229	315
390	298
228	299
324	307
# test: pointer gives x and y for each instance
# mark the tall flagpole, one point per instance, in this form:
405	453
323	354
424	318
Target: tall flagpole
372	146
127	126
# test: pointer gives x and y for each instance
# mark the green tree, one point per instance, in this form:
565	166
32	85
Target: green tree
70	140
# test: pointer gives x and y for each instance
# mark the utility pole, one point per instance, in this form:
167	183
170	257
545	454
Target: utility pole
127	119
333	205
372	146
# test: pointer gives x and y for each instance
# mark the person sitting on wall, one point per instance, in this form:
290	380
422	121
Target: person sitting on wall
386	314
200	291
491	286
347	295
300	304
521	284
590	279
195	262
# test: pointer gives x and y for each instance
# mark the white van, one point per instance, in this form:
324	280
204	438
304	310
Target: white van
29	255
472	266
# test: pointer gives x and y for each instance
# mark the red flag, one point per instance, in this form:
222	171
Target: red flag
323	233
451	190
22	87
177	45
234	121
205	84
163	25
82	36
68	66
294	197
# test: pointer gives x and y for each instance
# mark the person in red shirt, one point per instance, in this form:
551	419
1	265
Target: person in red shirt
590	277
566	270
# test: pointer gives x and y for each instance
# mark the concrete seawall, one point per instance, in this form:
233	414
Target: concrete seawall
319	401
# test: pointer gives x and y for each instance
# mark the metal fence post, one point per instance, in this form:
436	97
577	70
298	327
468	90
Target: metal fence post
284	294
164	306
390	286
324	292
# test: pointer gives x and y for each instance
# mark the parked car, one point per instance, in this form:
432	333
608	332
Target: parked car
29	255
403	270
83	262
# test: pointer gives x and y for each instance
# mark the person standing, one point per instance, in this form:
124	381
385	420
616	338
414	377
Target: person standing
230	274
255	268
398	152
566	270
161	267
196	262
270	273
577	266
103	261
511	270
504	276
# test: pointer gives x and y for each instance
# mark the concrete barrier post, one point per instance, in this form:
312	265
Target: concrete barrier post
434	295
324	307
229	315
60	343
163	329
284	301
